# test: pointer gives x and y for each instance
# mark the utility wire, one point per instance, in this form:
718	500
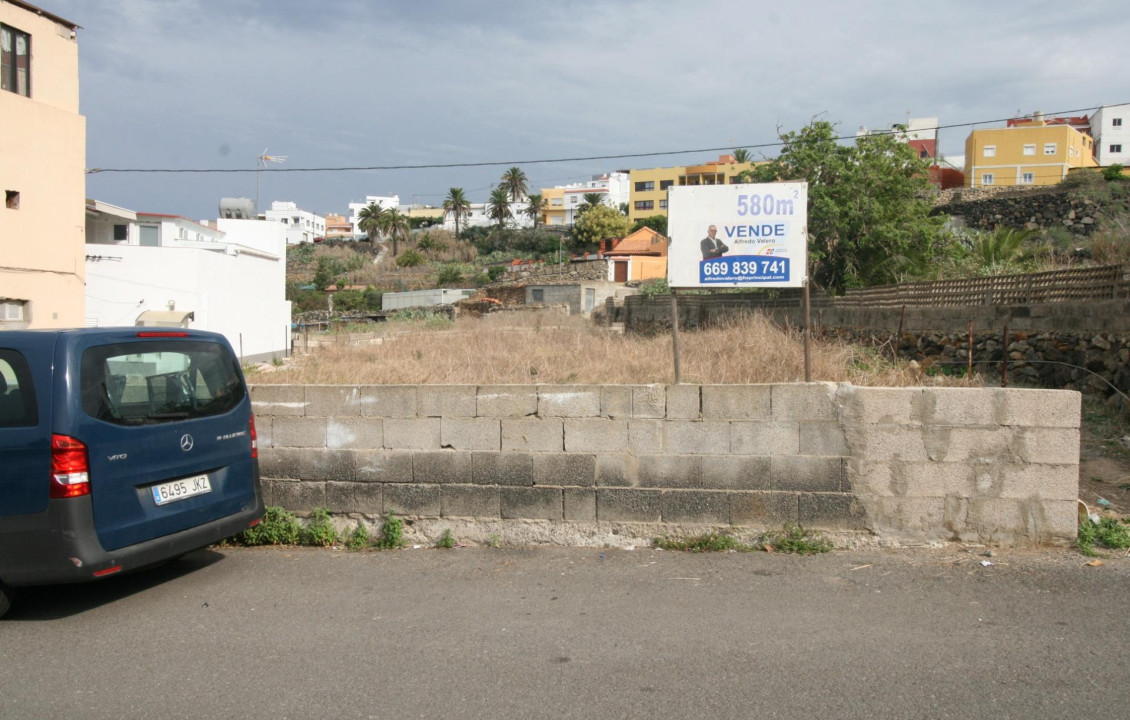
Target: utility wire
541	161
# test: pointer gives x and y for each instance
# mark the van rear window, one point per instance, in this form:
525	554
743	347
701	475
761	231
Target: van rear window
157	382
17	396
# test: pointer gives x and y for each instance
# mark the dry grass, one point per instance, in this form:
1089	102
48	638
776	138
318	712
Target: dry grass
523	348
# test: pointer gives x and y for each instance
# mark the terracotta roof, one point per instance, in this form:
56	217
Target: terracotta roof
644	241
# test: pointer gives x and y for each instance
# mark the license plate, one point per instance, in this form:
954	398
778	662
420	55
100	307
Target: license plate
181	489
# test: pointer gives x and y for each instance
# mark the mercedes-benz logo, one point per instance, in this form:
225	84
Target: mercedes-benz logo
186	442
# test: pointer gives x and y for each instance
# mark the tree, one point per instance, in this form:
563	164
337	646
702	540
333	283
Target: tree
658	223
457	206
868	205
514	182
741	155
590	200
600	223
498	207
369	220
395	227
536	208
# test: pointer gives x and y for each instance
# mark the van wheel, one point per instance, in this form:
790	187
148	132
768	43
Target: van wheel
5	599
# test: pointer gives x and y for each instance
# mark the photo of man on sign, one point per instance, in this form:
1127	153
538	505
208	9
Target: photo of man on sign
711	246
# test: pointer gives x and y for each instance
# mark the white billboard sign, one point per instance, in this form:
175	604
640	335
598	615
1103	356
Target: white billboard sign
749	235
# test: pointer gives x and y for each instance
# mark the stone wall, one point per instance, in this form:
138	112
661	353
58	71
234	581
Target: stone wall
1031	210
917	464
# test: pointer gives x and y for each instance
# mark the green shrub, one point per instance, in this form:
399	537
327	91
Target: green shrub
392	533
709	542
795	539
410	258
1107	532
448	275
320	530
447	541
358	538
655	286
277	528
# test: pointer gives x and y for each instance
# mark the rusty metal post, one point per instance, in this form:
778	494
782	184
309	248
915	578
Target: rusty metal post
970	372
675	333
1004	356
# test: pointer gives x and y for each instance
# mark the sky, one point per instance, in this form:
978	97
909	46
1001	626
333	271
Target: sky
211	84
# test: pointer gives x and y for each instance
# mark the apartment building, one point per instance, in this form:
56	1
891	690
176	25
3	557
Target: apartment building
42	170
649	187
564	202
1035	152
301	225
1111	128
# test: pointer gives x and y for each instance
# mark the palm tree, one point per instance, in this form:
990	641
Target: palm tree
514	182
536	208
457	206
741	155
591	200
369	220
395	227
498	207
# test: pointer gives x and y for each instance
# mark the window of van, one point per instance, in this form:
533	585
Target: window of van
17	394
158	382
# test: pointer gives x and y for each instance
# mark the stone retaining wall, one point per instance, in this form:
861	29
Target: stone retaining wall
917	464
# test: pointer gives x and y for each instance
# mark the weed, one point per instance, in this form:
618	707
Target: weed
392	533
447	541
277	528
709	542
358	538
795	539
1107	532
495	541
320	530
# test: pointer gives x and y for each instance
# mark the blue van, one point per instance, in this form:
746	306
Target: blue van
120	448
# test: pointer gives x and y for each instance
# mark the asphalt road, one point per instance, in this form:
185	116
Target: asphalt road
576	633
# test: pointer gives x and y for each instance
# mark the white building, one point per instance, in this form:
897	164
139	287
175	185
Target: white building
152	269
477	216
1110	126
301	225
613	187
385	201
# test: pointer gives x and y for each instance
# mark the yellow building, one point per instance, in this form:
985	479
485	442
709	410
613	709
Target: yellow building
42	171
722	171
649	187
554	206
1032	153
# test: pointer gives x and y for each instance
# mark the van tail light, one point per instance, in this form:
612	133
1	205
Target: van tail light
254	439
70	469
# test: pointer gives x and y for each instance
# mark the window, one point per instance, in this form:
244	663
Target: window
556	202
645	204
1027	178
15	50
1116	148
987	179
12	311
121	232
17	394
664	184
645	186
12	199
1116	122
1030	149
662	204
990	151
573	200
538	295
1050	148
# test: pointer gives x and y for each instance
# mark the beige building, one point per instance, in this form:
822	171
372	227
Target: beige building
42	171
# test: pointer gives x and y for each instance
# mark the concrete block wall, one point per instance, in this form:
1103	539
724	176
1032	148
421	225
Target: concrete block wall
917	464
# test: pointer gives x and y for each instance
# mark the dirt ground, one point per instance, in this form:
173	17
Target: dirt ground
1104	461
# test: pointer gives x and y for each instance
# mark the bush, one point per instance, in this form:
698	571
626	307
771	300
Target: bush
1113	173
320	530
655	286
410	258
448	275
277	528
358	538
392	533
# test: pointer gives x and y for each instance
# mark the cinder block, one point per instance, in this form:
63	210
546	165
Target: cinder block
534	503
1045	482
671	471
569	401
617	470
333	400
278	400
960	406
776	437
684	402
616	401
320	464
444	466
481	434
649	401
767	509
383	466
694	506
962	444
806	473
831	511
354	433
506	401
737	402
916	517
1039	408
263	434
917	479
823	439
368	498
469	501
628	505
1060	522
881	406
388	401
341	497
580	504
299	432
1051	446
645	437
708	437
412	499
278	463
533	434
804	402
595	435
565	469
446	401
998	519
502	469
748	472
886	442
295	496
412	434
